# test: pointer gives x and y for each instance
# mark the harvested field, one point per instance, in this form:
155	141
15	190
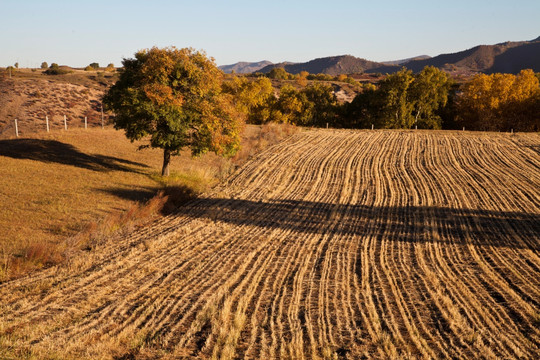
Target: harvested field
331	244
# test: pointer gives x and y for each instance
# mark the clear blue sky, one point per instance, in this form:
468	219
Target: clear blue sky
77	33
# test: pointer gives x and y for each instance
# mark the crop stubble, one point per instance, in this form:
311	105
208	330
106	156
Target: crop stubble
332	244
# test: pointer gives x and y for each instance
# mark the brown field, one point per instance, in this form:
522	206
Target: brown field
64	190
329	245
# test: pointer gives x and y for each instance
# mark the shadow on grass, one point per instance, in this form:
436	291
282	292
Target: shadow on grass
172	197
52	151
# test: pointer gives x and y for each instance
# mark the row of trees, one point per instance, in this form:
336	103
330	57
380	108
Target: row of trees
500	102
303	76
429	99
313	105
177	98
400	101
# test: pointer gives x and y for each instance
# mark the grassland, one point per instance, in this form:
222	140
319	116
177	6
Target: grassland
331	244
66	190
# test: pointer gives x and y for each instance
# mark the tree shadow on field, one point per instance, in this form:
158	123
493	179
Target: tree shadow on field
171	197
52	151
394	223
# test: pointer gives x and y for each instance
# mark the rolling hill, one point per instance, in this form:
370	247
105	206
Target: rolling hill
508	57
245	67
333	65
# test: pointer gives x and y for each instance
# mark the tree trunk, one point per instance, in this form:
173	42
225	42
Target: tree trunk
166	162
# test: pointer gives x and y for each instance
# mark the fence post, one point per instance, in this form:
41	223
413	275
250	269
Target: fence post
16	128
85	123
65	123
47	121
464	128
372	126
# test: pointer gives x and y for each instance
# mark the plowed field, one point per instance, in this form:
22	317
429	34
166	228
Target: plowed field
332	244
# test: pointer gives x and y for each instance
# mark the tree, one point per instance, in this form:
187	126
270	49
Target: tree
364	110
429	93
44	65
500	102
252	98
278	73
94	65
396	109
174	97
324	102
16	65
291	107
301	78
54	69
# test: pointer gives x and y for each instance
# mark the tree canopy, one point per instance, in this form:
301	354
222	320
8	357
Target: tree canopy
501	102
174	97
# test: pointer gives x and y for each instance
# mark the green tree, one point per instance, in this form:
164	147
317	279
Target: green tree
278	73
94	65
44	65
16	65
396	109
291	107
364	110
324	104
54	69
174	96
429	93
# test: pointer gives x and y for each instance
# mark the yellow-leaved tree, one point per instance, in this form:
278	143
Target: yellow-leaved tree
500	102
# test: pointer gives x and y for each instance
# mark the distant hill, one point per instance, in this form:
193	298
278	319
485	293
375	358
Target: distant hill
508	57
333	65
403	61
245	67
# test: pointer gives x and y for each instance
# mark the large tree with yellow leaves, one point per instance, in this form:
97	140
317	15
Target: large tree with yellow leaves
174	97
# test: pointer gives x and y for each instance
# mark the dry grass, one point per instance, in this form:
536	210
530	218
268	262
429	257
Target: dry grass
90	183
329	245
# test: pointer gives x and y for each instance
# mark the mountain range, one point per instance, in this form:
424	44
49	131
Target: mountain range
507	57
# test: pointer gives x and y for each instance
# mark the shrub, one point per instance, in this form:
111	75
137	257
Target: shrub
278	74
54	69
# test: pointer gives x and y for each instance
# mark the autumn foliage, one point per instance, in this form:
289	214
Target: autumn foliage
500	102
174	97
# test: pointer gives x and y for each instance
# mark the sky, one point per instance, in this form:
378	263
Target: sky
77	33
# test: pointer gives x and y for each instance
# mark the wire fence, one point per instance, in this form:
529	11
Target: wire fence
18	128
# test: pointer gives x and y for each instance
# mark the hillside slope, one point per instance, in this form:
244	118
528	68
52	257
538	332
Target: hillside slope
245	67
332	244
333	65
510	57
29	97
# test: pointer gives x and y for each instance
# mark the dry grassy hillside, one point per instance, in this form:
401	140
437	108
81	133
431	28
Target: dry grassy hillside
30	96
329	245
65	190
